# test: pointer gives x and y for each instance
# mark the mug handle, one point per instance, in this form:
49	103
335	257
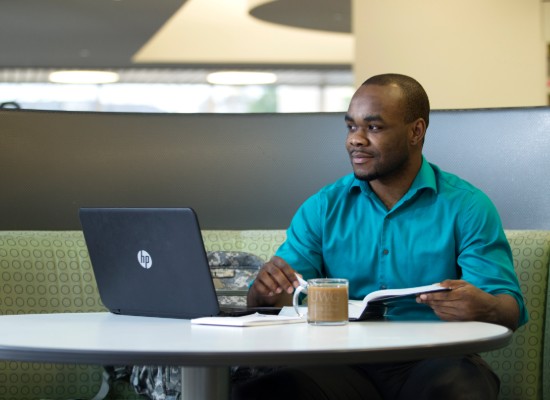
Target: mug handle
295	298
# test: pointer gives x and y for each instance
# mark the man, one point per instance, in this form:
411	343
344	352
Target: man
397	221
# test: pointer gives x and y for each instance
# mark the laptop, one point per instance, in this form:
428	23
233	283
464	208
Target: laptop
152	262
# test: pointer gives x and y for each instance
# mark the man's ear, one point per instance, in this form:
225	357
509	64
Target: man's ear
418	131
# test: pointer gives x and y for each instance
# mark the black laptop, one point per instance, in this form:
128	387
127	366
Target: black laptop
152	262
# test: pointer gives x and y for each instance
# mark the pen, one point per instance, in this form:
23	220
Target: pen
301	280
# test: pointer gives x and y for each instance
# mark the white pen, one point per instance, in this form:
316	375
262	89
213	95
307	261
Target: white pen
301	280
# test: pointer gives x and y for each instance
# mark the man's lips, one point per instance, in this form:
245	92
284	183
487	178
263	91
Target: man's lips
360	157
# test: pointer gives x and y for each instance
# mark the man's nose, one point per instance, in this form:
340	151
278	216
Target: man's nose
357	139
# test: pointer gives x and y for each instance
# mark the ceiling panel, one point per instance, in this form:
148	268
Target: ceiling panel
171	41
184	33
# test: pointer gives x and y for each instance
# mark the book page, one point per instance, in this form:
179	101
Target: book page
391	293
255	319
289	311
355	308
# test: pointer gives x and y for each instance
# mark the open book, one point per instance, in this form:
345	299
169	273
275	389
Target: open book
374	305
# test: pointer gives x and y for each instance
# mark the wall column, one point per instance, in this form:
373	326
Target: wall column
466	53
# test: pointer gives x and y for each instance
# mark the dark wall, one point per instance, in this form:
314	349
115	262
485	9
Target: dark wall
244	171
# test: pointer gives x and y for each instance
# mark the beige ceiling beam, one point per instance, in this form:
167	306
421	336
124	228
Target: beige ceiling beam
223	32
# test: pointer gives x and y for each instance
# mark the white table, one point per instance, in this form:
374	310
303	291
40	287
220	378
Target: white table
208	351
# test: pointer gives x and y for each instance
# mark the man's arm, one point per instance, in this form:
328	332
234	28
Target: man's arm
488	290
466	302
274	284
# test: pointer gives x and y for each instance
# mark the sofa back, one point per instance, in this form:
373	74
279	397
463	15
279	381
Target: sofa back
524	363
244	171
47	272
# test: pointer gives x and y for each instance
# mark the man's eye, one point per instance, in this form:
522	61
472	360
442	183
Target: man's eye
373	128
352	128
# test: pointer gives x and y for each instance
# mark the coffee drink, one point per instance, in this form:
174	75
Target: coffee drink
327	304
327	301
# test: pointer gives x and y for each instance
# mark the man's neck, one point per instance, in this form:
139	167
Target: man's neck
390	190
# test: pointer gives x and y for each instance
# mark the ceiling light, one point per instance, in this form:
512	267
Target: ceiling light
241	78
83	77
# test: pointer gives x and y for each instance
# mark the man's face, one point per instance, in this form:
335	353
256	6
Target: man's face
378	137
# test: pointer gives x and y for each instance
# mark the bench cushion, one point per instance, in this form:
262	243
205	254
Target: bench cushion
45	272
520	365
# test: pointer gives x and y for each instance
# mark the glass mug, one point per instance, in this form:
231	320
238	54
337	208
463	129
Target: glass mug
327	301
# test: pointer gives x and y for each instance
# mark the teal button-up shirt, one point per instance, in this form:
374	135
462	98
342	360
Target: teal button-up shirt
442	228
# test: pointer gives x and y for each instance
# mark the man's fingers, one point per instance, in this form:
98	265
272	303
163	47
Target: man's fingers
276	276
283	274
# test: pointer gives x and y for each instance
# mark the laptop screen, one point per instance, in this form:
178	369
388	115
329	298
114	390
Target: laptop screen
149	261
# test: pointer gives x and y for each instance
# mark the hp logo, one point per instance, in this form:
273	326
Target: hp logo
144	259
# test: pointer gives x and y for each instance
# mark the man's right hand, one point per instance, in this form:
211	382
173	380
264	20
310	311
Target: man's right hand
274	284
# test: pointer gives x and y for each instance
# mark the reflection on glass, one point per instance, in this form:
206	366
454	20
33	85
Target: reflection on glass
178	98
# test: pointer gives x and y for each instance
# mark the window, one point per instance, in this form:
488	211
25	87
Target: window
302	91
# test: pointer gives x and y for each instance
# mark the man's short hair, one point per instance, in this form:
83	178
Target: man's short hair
417	104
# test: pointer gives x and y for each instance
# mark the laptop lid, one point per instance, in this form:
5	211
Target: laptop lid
149	261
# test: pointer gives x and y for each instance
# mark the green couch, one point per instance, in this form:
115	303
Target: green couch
49	271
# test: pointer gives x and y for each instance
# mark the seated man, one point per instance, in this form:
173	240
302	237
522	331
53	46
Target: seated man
397	221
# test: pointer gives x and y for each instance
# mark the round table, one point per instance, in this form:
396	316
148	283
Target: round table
207	352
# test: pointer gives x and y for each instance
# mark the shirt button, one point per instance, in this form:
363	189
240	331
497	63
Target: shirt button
385	252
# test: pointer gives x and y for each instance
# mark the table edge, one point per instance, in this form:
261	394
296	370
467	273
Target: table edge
205	359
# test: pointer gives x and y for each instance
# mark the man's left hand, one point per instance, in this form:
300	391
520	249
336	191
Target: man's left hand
466	302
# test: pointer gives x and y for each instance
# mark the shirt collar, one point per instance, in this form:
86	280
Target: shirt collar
425	179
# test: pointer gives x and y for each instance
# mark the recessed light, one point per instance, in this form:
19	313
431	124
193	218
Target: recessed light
241	78
83	77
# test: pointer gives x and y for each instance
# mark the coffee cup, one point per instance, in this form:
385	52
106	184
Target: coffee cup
327	301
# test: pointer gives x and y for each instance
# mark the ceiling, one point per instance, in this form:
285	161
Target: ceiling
176	40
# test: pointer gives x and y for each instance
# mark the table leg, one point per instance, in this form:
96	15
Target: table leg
205	383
